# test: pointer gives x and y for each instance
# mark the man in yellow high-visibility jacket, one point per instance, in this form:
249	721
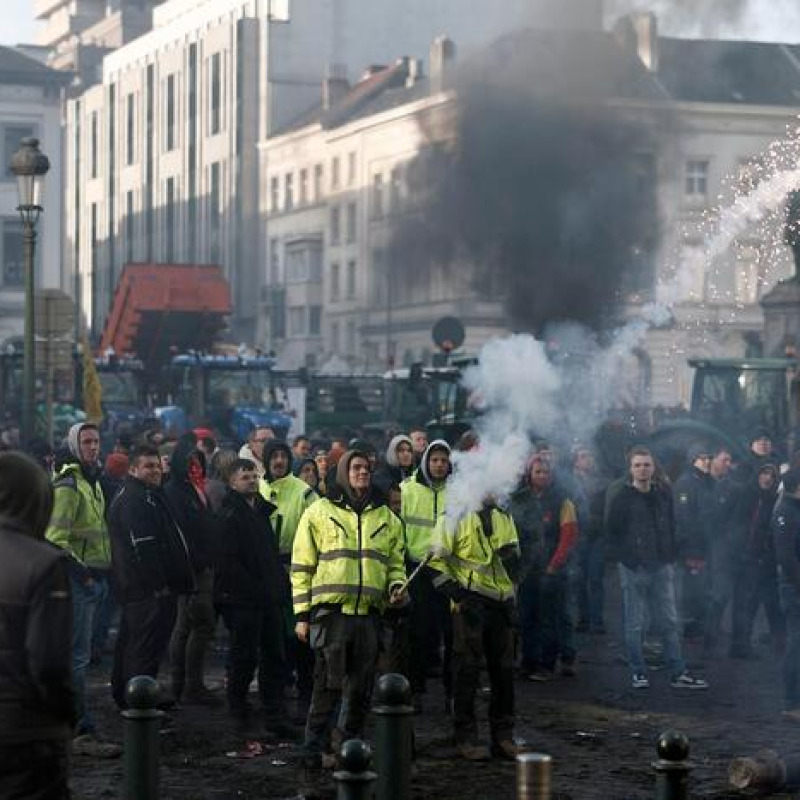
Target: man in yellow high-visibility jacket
476	562
347	566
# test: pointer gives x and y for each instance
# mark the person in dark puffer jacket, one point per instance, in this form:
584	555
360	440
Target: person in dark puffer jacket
37	700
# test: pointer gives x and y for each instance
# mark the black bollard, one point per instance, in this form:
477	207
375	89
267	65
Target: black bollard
672	768
354	781
534	776
142	723
394	737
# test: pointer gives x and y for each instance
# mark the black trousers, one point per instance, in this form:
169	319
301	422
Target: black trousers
144	633
257	644
34	771
430	628
481	631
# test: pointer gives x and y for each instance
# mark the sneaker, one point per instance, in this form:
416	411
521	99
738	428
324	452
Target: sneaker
473	752
89	745
687	681
640	681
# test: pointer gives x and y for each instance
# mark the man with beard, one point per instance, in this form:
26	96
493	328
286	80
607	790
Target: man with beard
290	497
423	502
37	704
347	565
548	530
152	568
78	526
252	588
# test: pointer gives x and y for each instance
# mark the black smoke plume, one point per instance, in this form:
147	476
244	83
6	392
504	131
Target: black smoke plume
545	194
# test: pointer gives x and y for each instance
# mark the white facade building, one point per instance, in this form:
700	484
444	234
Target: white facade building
30	105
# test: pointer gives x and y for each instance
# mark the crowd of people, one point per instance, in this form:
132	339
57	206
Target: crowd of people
326	563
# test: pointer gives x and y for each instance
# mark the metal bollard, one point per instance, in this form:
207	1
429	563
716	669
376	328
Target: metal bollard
142	723
672	768
354	781
394	737
534	776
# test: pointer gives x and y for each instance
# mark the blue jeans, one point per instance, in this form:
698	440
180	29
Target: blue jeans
790	601
86	600
650	596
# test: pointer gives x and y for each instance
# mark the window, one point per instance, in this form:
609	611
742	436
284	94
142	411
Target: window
297	321
130	141
396	190
13	263
335	341
377	196
274	261
169	222
12	136
95	144
694	270
129	228
315	320
288	203
215	117
351	338
214	228
275	195
319	182
304	261
351	222
335	177
336	225
351	280
169	116
748	279
696	178
303	199
380	275
336	283
351	169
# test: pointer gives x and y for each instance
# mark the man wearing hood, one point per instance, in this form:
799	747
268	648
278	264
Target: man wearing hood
290	497
78	526
476	564
194	630
423	502
398	464
37	703
347	565
152	569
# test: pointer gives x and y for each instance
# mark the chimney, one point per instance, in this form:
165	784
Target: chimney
443	56
416	72
638	32
335	86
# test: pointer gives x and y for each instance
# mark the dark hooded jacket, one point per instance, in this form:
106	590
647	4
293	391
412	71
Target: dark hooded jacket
754	545
695	509
248	566
193	513
149	550
36	696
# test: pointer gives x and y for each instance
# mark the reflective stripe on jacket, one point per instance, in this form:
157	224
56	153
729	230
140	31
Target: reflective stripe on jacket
291	497
346	559
472	557
78	521
421	508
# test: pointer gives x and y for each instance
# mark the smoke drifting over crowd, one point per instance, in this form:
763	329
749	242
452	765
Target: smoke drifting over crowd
545	197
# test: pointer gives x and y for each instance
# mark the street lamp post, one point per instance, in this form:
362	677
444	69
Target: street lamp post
30	166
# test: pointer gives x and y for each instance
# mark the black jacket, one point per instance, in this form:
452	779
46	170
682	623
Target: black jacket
149	552
641	527
249	570
195	518
37	702
695	508
786	535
